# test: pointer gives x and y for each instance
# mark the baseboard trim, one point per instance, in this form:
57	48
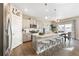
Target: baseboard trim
27	41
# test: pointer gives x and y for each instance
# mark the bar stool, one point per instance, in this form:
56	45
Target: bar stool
44	45
51	51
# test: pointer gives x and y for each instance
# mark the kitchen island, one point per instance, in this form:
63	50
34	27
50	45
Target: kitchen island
41	43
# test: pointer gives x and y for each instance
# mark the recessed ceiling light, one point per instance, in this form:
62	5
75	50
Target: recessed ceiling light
54	9
45	4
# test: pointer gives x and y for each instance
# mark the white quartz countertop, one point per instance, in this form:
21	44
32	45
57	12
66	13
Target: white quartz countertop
46	35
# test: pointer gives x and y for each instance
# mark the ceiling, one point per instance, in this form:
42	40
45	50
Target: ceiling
50	10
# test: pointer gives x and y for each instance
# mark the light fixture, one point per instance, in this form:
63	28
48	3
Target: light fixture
46	17
46	9
57	20
50	11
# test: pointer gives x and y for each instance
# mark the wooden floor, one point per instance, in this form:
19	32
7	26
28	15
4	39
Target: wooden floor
26	49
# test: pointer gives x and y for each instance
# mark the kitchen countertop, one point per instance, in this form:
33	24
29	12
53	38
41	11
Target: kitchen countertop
45	35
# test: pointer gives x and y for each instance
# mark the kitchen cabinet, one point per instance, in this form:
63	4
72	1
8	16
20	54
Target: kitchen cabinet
26	36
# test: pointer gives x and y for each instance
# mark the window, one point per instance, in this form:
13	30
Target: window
65	27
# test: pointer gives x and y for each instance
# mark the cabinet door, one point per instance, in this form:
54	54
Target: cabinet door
16	31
